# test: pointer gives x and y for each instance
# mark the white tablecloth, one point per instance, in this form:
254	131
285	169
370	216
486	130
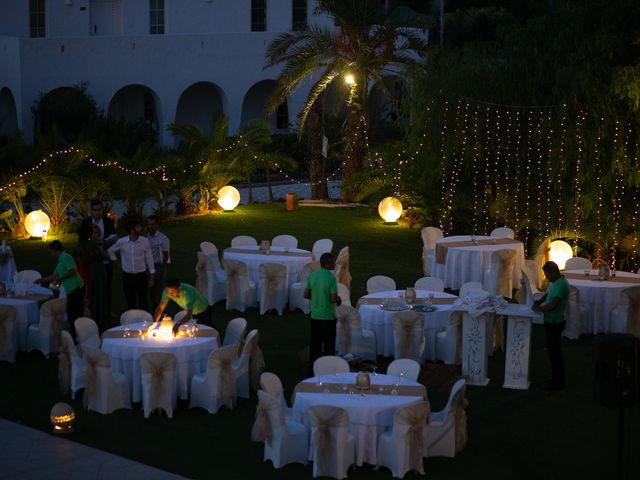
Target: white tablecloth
254	259
191	357
381	322
468	263
600	297
27	313
369	414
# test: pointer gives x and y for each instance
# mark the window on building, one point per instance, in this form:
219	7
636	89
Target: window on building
299	15
37	18
258	15
156	17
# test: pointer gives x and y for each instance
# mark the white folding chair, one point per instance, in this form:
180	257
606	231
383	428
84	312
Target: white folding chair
498	280
446	430
449	341
45	335
235	332
271	383
135	316
576	316
27	276
244	241
211	280
467	287
344	294
329	365
503	232
380	283
408	335
273	287
625	318
216	387
240	366
71	366
430	235
577	263
296	290
432	284
208	248
104	391
342	272
405	368
158	382
241	292
324	245
284	241
87	332
332	446
350	335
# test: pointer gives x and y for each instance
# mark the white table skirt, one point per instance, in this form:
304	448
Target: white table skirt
467	264
191	354
369	414
380	322
293	264
600	297
27	313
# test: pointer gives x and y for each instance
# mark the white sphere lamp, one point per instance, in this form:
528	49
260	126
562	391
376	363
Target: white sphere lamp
37	224
559	252
390	209
228	198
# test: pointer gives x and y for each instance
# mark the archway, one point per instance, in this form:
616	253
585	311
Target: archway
199	104
255	102
8	113
135	103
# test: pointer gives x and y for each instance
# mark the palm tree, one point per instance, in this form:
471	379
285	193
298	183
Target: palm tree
367	43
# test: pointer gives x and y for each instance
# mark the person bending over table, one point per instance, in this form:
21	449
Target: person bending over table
553	305
322	290
188	298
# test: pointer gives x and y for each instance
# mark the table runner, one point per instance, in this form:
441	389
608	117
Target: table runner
441	248
418	300
344	388
617	278
263	252
134	333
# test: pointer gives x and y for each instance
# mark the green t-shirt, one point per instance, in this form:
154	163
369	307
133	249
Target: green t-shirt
558	289
322	284
64	265
189	299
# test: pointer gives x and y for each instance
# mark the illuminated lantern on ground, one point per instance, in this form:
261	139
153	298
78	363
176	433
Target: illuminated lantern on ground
560	252
62	417
390	209
228	197
37	224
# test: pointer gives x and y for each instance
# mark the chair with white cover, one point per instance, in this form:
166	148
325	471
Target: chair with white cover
235	332
432	284
271	383
502	232
401	449
248	366
530	292
332	446
446	430
158	382
576	316
342	272
241	292
287	241
45	335
430	235
499	278
7	333
330	365
577	263
324	245
135	316
351	337
404	367
211	279
216	386
87	332
449	341
272	280
408	335
208	248
285	441
467	287
625	318
296	290
344	294
104	391
72	369
27	276
244	241
380	283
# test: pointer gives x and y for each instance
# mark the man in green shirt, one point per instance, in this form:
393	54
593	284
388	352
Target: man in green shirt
553	304
322	290
188	298
66	273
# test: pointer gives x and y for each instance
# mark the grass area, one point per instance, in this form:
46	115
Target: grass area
528	434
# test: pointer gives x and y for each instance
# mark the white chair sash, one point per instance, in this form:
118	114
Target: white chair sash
268	412
221	361
412	420
236	271
272	277
160	366
504	262
407	325
342	273
95	359
348	322
202	278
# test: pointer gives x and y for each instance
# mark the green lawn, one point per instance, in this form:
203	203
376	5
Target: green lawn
527	434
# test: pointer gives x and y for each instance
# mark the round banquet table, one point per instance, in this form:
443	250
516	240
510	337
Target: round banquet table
380	321
468	263
191	355
253	257
600	297
370	414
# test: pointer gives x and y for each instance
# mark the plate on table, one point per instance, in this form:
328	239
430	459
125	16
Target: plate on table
424	308
394	307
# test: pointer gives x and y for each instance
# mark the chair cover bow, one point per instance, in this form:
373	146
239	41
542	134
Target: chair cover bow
159	365
348	321
54	310
235	271
407	325
256	365
64	369
323	419
221	360
95	359
202	279
460	404
268	408
414	418
632	297
272	276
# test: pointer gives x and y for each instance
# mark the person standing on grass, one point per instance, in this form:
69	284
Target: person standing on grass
66	273
553	304
137	266
160	249
322	291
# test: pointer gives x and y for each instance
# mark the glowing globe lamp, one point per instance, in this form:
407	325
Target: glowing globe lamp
560	252
228	197
62	417
390	209
37	224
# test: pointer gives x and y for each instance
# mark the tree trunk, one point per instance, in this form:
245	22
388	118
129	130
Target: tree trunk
250	195
271	199
314	132
354	152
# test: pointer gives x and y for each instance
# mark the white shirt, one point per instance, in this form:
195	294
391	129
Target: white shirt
159	244
135	256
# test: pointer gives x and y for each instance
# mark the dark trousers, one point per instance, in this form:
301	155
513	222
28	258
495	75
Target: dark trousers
75	307
553	332
322	339
204	317
136	290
